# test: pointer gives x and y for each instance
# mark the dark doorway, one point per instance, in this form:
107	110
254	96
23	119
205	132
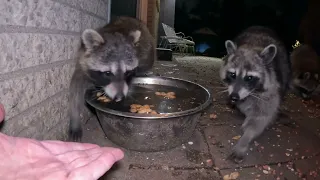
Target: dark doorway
227	18
123	8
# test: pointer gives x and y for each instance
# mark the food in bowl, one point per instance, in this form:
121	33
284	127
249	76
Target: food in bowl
102	97
138	108
168	95
142	109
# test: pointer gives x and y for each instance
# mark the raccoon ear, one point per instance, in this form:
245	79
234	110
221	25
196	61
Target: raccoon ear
268	53
306	75
230	46
135	36
91	38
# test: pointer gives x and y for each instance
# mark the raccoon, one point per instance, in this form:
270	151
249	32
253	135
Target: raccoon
257	72
305	70
108	58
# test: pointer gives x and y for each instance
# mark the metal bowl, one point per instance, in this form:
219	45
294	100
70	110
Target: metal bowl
146	132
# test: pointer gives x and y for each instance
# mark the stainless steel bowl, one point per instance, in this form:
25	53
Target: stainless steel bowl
146	132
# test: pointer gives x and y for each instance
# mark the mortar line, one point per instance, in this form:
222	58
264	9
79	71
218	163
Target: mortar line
32	69
55	127
81	21
38	105
35	30
201	129
94	15
208	149
158	167
271	163
78	7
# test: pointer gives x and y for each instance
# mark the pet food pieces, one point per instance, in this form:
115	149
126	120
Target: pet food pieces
168	95
145	109
103	98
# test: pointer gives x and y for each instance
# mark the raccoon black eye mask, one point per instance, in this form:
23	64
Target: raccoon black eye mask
257	74
231	76
250	82
100	78
104	78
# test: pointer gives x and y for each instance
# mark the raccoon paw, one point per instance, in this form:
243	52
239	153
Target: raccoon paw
237	155
75	135
233	157
285	120
244	125
305	97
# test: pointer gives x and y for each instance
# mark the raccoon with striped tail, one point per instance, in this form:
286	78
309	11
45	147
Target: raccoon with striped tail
257	72
108	58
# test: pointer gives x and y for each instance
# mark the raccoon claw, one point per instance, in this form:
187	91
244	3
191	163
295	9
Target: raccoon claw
305	97
235	158
238	154
75	135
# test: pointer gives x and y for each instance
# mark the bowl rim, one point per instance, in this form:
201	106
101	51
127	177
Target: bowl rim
167	115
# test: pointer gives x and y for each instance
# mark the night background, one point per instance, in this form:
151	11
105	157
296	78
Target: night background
211	22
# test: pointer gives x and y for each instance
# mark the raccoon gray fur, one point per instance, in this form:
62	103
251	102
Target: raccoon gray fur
305	70
108	58
257	72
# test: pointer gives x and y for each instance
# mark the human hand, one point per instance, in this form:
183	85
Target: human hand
23	158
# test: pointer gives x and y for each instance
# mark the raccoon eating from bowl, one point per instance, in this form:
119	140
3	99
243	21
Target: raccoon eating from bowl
108	58
257	73
305	70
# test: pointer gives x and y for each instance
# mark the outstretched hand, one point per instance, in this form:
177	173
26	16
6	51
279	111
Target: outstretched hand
23	158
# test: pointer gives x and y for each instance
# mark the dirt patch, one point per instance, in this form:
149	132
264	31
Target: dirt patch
196	156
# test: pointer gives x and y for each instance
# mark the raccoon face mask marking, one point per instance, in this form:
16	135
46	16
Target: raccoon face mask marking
110	61
244	70
239	87
307	83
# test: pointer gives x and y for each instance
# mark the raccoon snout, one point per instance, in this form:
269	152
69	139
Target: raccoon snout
234	98
119	97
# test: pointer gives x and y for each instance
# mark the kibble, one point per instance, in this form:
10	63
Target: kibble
168	95
142	109
103	98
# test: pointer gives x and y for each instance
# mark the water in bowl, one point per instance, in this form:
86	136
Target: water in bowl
145	94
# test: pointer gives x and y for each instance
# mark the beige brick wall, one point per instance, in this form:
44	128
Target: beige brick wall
38	42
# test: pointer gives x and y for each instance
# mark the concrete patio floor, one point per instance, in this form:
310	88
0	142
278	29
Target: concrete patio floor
286	152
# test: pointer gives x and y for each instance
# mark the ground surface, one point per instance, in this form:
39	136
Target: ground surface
284	151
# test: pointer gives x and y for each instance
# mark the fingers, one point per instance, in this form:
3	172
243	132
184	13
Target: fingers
60	147
98	166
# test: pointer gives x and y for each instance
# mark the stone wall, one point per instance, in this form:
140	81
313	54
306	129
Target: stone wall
38	42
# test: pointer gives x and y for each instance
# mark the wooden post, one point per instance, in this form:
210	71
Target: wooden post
142	10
